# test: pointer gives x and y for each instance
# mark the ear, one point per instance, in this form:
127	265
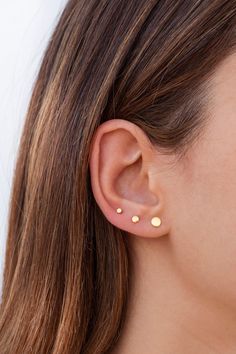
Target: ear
124	174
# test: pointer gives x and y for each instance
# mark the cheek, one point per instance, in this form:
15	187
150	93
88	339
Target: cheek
204	236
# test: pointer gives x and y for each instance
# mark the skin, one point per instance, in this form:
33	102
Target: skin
183	283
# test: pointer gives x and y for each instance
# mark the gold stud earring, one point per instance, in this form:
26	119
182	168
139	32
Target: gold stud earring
135	218
119	210
156	222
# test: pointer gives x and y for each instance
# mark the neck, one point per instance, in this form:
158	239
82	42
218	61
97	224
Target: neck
166	315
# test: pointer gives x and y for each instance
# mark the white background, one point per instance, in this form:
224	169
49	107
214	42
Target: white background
25	28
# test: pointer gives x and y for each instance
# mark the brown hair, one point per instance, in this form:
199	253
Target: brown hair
67	269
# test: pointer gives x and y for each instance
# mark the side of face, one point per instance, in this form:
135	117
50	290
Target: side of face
195	197
202	198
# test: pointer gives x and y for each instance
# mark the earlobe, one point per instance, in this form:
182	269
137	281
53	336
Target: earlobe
119	163
155	221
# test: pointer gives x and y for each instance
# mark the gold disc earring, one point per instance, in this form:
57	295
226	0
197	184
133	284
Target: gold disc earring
135	218
119	210
156	221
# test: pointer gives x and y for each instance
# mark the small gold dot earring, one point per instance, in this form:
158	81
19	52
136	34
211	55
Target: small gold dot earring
155	221
119	210
135	218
